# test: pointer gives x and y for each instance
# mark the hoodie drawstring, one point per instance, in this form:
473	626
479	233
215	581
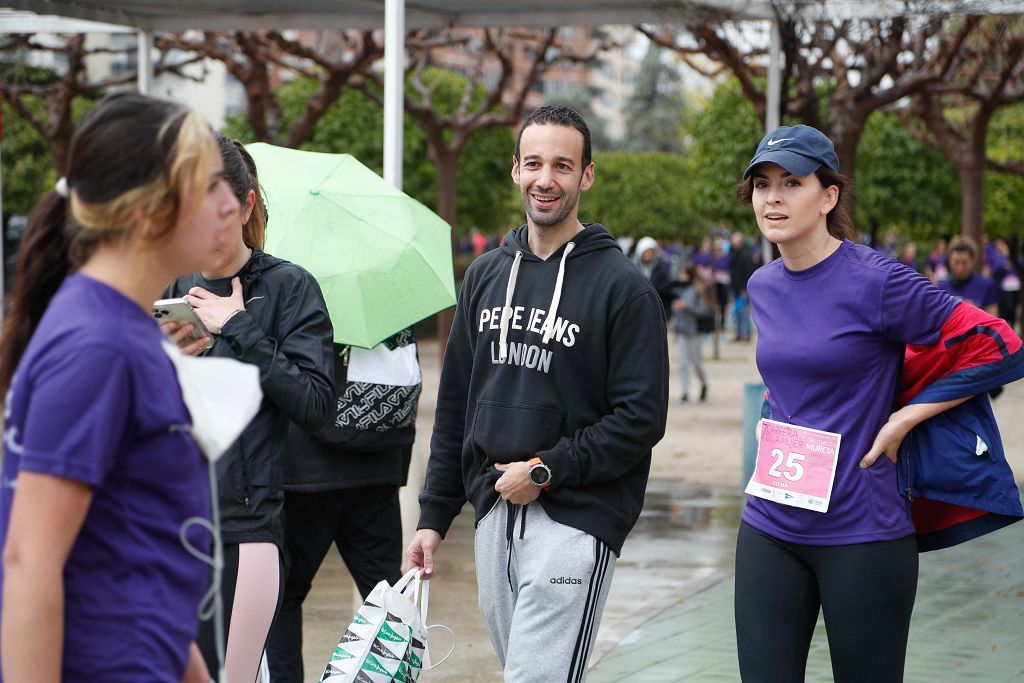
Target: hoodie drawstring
506	312
548	328
549	323
510	532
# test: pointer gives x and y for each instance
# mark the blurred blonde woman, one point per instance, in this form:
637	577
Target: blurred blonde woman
99	470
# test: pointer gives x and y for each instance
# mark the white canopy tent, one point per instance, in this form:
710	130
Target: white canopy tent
153	15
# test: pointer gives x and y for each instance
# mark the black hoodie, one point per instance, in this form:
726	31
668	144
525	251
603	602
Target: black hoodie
589	396
286	332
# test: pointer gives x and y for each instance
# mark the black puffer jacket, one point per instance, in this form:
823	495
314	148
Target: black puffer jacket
286	332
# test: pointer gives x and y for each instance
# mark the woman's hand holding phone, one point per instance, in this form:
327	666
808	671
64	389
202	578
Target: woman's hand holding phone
215	310
180	322
181	335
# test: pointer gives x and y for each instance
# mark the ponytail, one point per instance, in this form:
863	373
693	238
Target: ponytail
240	172
254	232
43	262
133	164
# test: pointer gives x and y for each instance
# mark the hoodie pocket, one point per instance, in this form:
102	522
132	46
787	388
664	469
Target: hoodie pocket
503	432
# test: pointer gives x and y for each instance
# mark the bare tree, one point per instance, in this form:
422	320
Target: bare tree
502	68
835	73
954	115
56	124
257	59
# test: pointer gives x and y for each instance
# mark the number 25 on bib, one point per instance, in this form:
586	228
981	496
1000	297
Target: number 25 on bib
795	466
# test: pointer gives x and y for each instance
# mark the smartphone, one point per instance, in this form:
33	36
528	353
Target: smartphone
181	312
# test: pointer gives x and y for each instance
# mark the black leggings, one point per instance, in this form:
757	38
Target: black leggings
206	640
865	590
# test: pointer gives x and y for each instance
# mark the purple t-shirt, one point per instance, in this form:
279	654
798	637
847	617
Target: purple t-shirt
96	400
702	260
830	349
977	290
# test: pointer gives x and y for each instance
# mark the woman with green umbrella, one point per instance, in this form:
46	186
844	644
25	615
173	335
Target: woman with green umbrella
268	312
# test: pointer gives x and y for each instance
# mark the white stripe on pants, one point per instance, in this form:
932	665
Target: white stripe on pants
542	592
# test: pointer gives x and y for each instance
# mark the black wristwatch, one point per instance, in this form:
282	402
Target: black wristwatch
540	474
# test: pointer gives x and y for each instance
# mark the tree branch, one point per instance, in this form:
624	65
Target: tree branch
15	98
1014	167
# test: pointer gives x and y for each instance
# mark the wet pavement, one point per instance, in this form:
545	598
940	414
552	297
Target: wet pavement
968	625
669	615
682	544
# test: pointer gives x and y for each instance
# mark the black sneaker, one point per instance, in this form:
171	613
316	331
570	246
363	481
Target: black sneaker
703	393
685	399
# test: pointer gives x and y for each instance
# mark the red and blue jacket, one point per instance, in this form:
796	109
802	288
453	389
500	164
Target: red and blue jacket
952	466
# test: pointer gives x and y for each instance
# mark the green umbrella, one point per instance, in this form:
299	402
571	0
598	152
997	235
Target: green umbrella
383	260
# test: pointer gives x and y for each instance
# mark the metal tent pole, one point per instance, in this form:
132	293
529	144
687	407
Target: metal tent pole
394	106
145	62
394	89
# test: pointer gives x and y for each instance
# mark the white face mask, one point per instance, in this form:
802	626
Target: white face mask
222	395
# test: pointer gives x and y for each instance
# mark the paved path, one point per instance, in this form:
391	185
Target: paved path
968	626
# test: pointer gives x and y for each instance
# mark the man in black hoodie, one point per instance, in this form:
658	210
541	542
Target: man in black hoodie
553	392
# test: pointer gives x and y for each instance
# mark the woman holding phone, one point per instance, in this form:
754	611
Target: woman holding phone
839	326
270	313
99	477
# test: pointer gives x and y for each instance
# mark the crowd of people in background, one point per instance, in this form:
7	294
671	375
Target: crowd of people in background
723	262
953	265
704	290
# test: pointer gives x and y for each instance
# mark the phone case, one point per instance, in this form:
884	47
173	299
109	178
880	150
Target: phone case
179	311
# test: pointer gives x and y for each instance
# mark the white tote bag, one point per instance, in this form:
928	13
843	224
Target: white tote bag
387	639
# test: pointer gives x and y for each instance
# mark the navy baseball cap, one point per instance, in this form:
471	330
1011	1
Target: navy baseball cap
801	150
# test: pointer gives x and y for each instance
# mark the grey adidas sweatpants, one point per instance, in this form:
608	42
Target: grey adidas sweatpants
542	588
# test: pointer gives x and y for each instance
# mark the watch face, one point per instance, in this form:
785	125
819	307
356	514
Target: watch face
539	475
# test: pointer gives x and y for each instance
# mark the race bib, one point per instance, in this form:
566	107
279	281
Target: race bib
795	466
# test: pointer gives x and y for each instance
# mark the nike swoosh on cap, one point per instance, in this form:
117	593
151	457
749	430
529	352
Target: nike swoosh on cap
773	142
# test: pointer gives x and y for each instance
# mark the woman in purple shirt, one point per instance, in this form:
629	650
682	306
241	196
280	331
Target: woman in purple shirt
100	473
833	318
